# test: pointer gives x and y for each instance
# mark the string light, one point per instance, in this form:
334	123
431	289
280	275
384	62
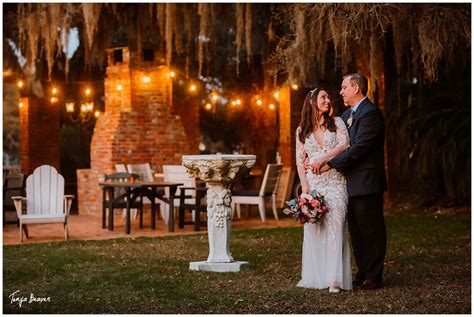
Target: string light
294	87
70	107
88	107
21	104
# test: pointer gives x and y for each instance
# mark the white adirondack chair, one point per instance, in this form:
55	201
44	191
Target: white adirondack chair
268	189
45	200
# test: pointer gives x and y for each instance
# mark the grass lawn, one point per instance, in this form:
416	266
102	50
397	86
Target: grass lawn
428	270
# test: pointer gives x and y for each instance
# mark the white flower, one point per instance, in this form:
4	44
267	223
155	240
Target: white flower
304	210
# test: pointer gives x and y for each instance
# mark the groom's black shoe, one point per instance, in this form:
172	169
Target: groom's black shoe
369	284
358	281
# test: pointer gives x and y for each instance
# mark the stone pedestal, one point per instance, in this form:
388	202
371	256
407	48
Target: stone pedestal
219	171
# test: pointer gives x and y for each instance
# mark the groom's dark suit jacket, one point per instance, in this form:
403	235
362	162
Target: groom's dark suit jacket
363	162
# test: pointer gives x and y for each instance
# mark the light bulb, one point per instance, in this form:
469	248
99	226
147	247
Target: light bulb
70	106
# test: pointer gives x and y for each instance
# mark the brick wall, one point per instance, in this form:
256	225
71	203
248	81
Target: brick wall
138	125
39	134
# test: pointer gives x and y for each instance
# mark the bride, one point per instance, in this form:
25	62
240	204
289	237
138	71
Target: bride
326	254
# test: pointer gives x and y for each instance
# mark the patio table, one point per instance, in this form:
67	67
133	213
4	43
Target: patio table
134	190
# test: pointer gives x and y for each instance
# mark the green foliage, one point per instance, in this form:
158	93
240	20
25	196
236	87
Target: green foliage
434	151
11	125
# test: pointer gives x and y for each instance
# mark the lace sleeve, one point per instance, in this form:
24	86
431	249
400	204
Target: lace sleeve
342	138
300	157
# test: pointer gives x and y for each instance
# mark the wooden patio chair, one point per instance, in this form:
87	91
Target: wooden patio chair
13	185
189	197
146	174
142	169
267	189
45	200
121	168
119	197
284	186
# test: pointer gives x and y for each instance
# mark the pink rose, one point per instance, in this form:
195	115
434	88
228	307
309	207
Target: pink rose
301	201
314	203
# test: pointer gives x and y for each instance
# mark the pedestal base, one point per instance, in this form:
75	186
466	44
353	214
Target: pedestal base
234	266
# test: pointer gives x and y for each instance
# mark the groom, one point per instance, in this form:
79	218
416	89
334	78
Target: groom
363	166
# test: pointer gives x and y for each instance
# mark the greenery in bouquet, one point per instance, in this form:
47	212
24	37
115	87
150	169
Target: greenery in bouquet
308	208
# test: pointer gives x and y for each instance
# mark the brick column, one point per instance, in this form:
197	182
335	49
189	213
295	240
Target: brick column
285	126
39	134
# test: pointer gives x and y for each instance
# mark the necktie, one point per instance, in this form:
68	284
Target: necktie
349	121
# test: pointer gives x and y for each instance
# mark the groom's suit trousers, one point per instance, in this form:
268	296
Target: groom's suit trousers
368	234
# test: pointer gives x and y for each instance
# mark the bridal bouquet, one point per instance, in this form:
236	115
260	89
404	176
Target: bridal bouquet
308	208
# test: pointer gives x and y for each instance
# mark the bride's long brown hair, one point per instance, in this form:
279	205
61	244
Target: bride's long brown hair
309	112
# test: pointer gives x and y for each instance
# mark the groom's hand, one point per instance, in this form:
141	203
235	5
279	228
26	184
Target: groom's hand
316	166
324	168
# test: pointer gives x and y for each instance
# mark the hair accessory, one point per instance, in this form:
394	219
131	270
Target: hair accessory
311	96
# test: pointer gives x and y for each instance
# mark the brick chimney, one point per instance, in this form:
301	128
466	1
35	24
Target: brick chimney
139	124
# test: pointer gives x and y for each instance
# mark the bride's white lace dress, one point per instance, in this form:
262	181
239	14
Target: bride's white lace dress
326	253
